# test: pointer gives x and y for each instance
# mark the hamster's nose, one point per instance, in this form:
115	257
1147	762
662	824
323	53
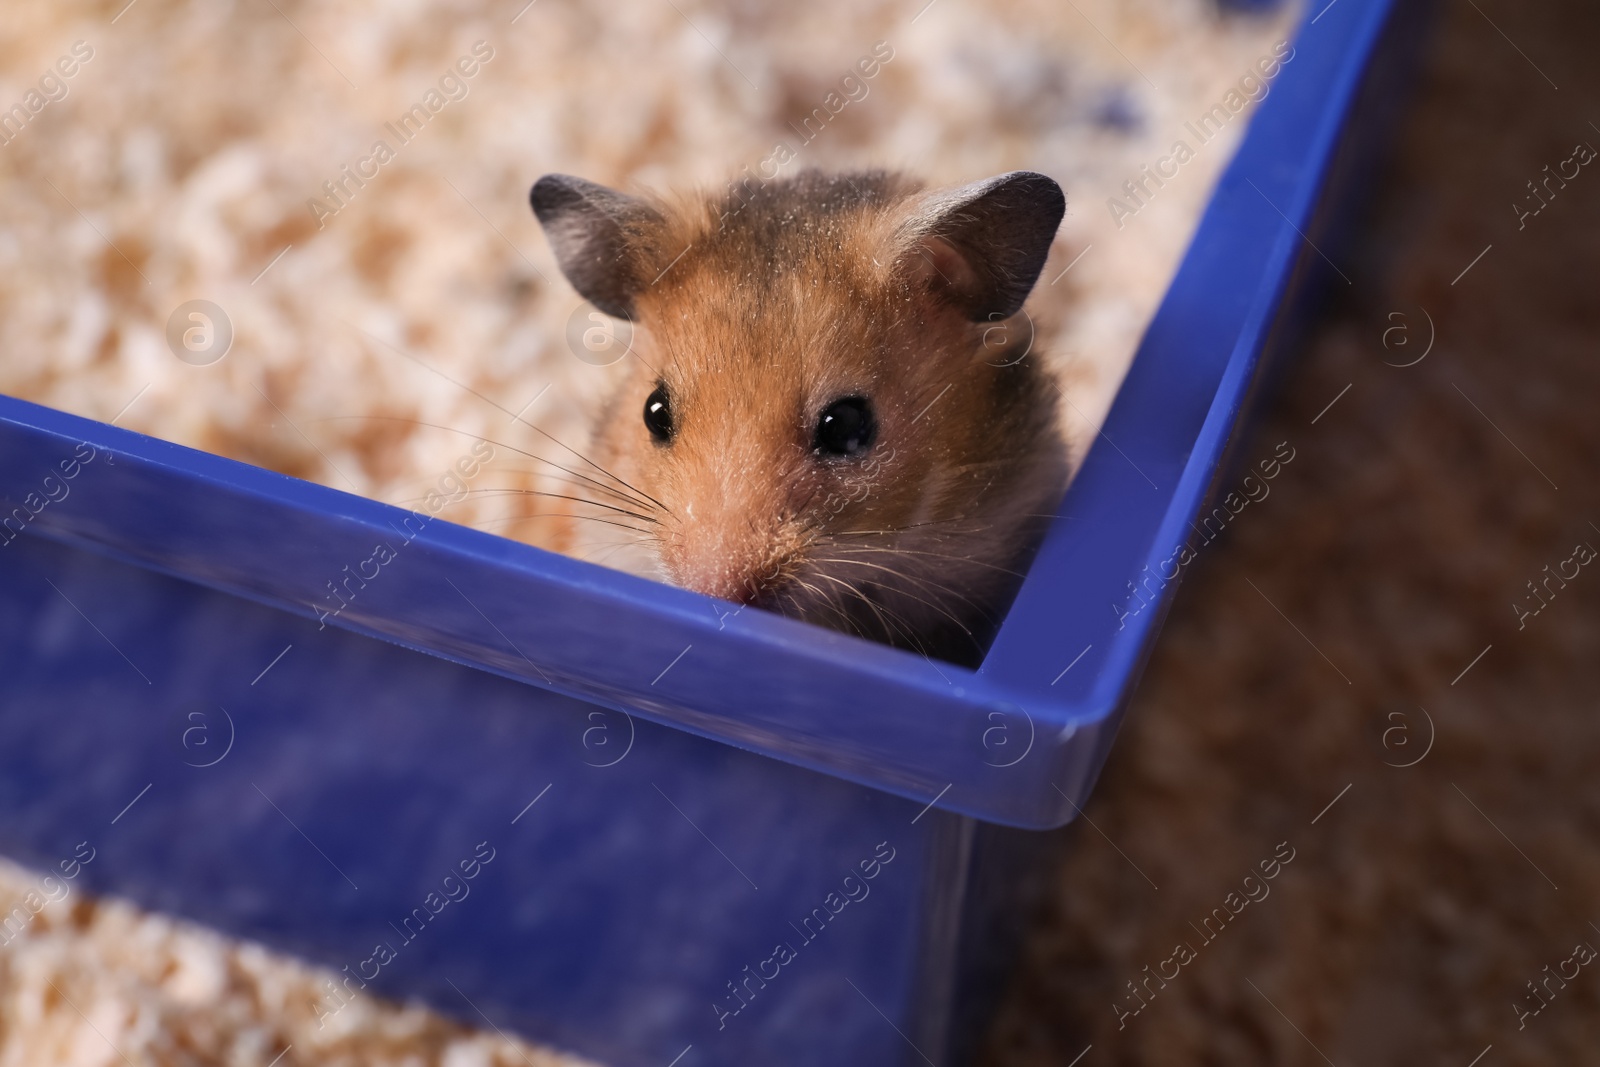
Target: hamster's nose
737	562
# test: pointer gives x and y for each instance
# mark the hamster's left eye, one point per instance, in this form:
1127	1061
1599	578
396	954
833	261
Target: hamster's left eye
846	427
658	415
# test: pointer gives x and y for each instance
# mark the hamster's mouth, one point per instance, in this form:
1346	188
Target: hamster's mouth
916	614
751	568
917	620
856	608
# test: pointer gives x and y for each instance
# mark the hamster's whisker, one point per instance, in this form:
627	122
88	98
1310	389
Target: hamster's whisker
534	518
532	492
580	483
904	628
952	521
926	583
598	552
492	491
643	500
890	626
559	444
933	605
924	552
834	609
625	485
599	556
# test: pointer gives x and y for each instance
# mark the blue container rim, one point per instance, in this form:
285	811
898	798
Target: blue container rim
1017	741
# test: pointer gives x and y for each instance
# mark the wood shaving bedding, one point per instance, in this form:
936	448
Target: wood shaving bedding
183	160
193	155
86	982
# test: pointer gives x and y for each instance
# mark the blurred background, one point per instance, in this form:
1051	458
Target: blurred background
1400	543
346	187
1443	742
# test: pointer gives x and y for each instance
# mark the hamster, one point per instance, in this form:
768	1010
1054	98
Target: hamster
820	418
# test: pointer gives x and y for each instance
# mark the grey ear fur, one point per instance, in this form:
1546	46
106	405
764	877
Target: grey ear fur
594	232
1001	228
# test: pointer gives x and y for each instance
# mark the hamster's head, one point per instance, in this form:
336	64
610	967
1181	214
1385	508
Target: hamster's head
829	408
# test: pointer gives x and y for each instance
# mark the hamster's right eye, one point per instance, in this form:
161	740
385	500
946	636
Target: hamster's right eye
658	415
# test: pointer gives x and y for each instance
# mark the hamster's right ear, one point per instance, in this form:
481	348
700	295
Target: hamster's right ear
983	245
598	236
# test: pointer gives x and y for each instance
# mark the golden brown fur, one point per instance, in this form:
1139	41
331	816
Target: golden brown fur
756	310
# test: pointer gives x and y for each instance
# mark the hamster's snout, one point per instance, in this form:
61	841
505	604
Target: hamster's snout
723	551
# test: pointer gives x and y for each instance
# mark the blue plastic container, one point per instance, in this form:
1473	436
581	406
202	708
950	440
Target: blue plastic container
611	815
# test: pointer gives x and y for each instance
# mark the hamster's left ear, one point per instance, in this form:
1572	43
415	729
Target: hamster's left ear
983	245
599	236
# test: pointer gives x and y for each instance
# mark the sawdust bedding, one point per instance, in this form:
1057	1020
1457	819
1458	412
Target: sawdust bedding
206	151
